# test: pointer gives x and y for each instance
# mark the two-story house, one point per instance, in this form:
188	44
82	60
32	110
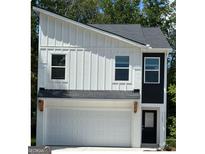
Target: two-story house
101	84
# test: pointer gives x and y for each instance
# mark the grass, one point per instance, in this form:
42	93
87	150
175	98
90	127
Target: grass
170	145
33	141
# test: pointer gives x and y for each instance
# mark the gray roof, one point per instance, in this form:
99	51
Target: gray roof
135	32
87	94
130	31
155	37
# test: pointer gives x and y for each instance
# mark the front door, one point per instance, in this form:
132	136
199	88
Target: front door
149	126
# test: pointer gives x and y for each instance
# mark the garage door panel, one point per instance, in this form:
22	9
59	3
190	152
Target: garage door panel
66	126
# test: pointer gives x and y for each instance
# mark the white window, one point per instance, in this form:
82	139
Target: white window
58	66
121	68
152	70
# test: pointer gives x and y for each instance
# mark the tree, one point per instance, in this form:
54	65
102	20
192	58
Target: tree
118	12
79	10
34	66
160	13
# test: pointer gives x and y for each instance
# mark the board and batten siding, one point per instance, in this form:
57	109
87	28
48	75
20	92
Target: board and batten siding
90	57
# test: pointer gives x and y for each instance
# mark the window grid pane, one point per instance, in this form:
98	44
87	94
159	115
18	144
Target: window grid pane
122	61
58	60
122	68
121	74
58	73
151	76
152	69
58	66
152	61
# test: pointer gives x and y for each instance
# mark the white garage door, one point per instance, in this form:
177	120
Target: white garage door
88	127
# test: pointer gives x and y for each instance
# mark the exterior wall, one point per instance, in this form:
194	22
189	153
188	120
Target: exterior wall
161	109
90	61
91	104
90	57
161	121
153	92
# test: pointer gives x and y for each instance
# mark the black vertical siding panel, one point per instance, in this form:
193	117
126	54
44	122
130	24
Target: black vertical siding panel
153	93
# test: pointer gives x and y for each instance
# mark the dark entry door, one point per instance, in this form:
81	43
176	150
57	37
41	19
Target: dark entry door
149	126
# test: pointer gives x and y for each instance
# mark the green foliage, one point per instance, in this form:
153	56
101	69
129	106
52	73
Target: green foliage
33	141
171	124
172	93
171	100
170	145
79	10
172	70
34	66
119	11
171	142
159	13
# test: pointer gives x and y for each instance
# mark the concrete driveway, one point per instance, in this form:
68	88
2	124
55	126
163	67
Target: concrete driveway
65	149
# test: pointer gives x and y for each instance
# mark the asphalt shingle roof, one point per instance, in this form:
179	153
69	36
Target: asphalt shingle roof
87	94
130	31
135	32
155	37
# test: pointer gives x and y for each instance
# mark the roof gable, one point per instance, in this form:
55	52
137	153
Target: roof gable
130	33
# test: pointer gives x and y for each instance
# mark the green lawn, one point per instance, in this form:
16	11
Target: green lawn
33	141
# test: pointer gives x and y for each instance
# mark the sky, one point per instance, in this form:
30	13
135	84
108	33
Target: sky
141	5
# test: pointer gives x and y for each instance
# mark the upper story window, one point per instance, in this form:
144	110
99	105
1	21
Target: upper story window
58	66
121	68
152	70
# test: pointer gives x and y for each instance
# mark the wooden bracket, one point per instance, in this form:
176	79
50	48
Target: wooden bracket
41	105
135	106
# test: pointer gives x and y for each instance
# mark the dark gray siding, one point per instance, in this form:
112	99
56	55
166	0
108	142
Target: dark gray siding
153	93
89	94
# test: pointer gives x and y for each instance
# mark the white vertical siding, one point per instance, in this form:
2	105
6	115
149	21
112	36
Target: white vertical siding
51	31
72	68
101	69
73	34
80	69
66	34
94	71
90	57
108	71
87	70
43	31
58	33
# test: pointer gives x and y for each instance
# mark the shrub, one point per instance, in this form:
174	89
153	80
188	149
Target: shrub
170	145
171	124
